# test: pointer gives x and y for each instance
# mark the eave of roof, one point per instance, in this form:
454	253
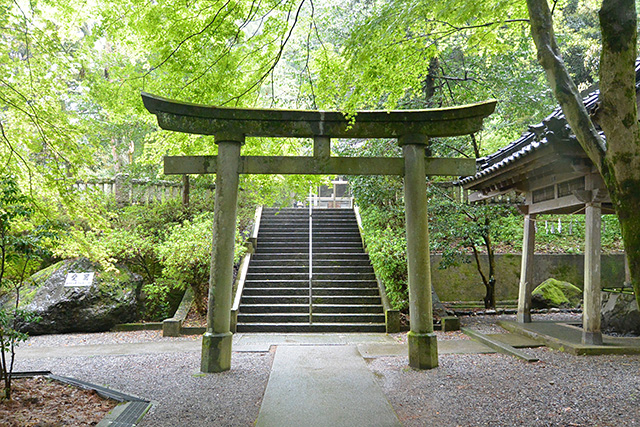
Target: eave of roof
536	137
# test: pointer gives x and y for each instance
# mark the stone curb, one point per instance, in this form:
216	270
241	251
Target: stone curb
497	345
127	414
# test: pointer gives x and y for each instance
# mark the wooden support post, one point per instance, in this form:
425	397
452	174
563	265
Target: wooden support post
526	269
186	190
423	346
216	342
591	333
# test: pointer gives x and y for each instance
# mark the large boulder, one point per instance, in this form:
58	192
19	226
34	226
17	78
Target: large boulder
620	313
109	299
554	293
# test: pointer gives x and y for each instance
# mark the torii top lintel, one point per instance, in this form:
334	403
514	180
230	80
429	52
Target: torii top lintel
207	120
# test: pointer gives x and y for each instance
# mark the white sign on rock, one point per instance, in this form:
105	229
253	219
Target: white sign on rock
78	279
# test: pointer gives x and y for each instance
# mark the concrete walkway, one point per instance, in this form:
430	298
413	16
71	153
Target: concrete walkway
369	346
323	386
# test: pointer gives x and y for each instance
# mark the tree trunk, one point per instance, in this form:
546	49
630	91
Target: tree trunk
627	204
489	282
619	160
618	115
490	298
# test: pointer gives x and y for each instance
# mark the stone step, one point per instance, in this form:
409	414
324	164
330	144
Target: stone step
322	244
273	317
317	318
342	283
317	234
304	291
304	299
310	328
347	308
325	257
317	284
274	308
277	284
274	292
317	277
274	300
283	249
304	308
297	238
304	262
317	270
346	300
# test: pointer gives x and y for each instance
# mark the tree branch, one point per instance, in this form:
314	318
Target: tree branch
275	61
561	83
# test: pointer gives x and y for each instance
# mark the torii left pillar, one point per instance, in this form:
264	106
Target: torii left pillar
216	342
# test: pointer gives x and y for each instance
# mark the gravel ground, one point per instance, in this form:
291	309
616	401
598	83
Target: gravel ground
465	390
497	390
181	396
63	340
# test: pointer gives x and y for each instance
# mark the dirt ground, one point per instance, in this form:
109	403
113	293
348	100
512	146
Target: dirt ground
41	402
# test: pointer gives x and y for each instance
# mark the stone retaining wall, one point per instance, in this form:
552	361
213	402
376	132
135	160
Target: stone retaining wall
463	283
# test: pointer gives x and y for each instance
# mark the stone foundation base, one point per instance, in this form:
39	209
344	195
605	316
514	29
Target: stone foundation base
423	350
216	352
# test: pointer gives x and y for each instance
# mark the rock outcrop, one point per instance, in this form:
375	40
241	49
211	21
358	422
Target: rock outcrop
109	298
554	293
620	313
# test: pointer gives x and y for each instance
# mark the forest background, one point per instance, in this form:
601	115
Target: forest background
71	74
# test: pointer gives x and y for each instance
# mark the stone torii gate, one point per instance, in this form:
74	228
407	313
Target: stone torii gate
230	126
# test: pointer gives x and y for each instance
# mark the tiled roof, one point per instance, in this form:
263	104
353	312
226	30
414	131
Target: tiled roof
554	127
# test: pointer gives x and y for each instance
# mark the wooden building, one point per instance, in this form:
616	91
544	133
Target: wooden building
549	167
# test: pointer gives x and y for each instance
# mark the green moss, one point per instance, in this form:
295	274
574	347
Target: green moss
558	293
42	275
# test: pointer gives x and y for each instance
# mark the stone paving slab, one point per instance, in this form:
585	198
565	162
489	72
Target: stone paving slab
310	339
516	340
444	347
323	386
564	337
369	345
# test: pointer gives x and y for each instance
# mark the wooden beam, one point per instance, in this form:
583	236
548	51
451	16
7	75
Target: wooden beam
288	165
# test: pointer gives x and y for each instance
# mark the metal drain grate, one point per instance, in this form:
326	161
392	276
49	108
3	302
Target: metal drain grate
132	414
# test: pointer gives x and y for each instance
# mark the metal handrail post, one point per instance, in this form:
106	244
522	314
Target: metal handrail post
310	259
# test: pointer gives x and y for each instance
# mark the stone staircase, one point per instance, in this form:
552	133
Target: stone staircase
276	293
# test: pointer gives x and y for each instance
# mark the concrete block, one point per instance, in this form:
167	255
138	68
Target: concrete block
392	321
450	323
171	327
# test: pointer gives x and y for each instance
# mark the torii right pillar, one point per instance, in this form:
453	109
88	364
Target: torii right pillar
423	345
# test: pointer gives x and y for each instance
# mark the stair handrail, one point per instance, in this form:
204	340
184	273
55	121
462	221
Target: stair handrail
391	315
241	278
256	227
310	259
